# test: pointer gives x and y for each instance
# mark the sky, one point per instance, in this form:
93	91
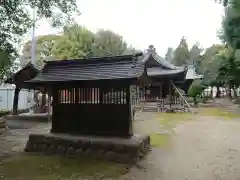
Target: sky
158	22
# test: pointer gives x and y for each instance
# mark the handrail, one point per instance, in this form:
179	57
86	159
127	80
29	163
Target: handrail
182	97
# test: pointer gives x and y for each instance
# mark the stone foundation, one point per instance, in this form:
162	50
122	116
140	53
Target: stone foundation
111	149
44	117
3	124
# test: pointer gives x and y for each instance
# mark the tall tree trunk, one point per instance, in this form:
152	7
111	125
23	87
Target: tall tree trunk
218	92
15	100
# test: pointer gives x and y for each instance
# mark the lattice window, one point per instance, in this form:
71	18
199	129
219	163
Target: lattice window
114	96
92	96
79	95
88	96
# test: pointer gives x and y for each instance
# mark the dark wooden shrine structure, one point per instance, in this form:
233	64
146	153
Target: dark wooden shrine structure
167	83
26	73
97	103
162	75
89	107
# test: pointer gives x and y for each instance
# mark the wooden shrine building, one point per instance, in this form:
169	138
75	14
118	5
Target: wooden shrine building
161	75
165	81
26	73
88	108
97	107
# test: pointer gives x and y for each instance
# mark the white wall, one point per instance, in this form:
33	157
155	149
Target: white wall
7	94
223	90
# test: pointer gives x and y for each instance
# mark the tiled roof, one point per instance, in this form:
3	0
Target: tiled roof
163	72
112	67
151	53
166	68
191	73
26	73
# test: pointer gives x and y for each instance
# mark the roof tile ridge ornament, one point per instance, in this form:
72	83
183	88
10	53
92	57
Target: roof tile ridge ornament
134	59
151	49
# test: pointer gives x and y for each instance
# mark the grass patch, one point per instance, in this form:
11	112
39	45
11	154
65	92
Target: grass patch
160	140
218	112
169	120
29	167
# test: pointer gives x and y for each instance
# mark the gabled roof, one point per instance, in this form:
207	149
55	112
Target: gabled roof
26	73
191	73
161	61
155	71
104	68
163	68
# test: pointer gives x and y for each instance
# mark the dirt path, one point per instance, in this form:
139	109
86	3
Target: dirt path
14	140
205	148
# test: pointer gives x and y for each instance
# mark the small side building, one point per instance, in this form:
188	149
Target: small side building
26	73
96	113
166	85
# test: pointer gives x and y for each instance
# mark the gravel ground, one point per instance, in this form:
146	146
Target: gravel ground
15	139
204	148
207	148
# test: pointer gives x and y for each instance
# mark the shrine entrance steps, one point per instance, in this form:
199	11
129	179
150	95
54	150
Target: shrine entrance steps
121	150
156	107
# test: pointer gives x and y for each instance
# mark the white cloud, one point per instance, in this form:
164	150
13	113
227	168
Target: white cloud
158	22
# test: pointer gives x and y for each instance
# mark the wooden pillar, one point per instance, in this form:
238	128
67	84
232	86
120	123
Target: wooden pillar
101	93
170	94
76	96
15	100
55	100
161	97
130	110
49	107
43	101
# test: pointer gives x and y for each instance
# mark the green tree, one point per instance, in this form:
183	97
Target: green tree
232	3
169	56
230	35
44	48
210	64
181	53
76	42
196	90
15	20
109	43
229	70
195	54
231	27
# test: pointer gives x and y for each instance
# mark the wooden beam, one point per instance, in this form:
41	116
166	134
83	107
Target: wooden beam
15	100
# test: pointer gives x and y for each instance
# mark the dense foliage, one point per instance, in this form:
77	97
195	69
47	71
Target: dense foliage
76	42
15	20
230	3
219	63
196	90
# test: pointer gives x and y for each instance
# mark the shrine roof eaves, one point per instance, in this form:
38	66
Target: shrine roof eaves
106	68
164	72
26	73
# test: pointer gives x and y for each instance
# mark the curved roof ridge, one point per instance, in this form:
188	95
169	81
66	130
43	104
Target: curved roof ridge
164	62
